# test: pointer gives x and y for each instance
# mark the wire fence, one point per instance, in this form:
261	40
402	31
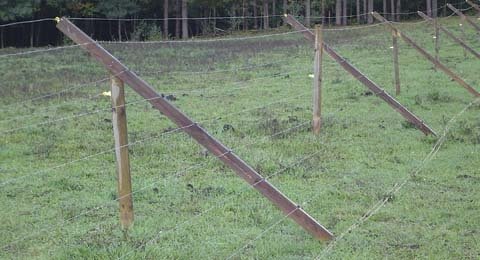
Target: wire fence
253	92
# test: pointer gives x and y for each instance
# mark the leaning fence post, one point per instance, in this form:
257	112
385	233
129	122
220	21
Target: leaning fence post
121	152
396	68
317	82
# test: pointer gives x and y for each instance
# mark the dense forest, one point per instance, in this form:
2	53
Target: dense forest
121	20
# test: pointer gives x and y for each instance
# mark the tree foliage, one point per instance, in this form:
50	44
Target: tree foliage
27	9
41	34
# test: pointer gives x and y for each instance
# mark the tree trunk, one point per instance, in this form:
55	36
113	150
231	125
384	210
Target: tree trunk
365	11
338	12
110	32
265	15
370	10
177	19
307	13
214	20
244	14
323	12
357	4
344	12
119	28
399	9
385	8
31	34
274	12
434	8
392	9
429	8
92	26
38	35
445	8
165	17
285	7
184	20
233	13
2	41
255	14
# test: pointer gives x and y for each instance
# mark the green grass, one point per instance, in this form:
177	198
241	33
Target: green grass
56	211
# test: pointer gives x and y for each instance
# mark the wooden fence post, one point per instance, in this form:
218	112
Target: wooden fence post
452	36
428	56
396	67
465	18
317	82
120	134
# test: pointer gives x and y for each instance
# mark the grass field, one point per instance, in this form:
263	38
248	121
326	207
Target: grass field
57	167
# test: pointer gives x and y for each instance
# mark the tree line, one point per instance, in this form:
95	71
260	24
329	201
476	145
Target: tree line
175	19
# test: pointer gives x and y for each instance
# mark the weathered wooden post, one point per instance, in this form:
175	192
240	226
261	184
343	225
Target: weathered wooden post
120	133
317	80
396	68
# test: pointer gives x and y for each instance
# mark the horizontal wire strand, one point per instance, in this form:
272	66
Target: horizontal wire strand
42	50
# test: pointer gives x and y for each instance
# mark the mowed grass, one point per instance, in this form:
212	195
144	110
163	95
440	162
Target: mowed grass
58	178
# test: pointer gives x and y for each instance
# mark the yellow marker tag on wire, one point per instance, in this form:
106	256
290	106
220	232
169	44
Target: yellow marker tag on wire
57	19
107	94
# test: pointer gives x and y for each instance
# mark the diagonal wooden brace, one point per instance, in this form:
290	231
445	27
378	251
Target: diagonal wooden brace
428	56
195	131
464	17
451	35
409	116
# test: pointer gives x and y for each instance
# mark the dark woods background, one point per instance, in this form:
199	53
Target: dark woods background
101	18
